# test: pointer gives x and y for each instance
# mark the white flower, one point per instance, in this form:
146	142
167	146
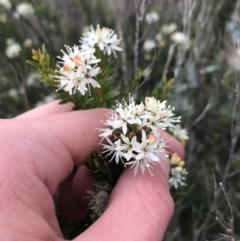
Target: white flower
168	28
80	79
12	93
24	9
128	146
146	149
128	114
177	178
152	17
179	133
76	71
180	38
6	4
89	39
74	57
178	173
159	115
143	164
111	123
106	132
104	38
114	150
13	48
89	74
110	45
148	45
149	152
151	104
27	43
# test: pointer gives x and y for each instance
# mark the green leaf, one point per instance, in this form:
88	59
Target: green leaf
112	94
33	63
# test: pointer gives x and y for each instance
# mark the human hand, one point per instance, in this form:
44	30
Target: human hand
39	151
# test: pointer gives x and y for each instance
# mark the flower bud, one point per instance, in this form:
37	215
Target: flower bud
178	169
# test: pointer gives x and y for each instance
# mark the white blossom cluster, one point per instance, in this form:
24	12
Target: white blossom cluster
103	38
13	48
24	9
6	4
178	173
167	34
152	17
167	29
76	70
149	44
78	66
179	133
132	135
180	38
177	178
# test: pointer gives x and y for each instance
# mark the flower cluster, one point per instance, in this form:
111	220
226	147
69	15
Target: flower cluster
132	135
103	38
152	17
148	45
168	34
168	28
13	48
178	172
78	66
76	70
6	4
180	134
24	9
180	38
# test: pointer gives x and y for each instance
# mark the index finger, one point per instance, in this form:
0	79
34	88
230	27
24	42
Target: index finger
51	145
47	109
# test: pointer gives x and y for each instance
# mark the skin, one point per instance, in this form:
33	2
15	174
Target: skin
39	151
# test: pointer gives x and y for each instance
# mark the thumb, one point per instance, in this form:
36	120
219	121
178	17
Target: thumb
139	208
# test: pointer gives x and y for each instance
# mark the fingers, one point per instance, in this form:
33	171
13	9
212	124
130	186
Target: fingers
52	145
43	152
48	109
139	208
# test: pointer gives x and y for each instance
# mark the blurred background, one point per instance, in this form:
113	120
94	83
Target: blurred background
188	49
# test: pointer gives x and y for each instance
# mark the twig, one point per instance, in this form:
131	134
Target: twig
201	116
139	11
169	59
123	54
